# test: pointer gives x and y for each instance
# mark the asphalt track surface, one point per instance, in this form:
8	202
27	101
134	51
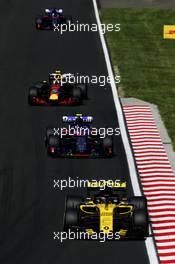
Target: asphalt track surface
30	208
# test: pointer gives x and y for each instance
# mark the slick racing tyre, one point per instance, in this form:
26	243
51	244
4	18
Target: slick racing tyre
139	202
53	146
70	219
53	141
140	223
49	132
38	22
73	202
33	94
84	90
77	95
108	146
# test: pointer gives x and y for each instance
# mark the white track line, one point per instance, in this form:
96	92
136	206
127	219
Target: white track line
151	250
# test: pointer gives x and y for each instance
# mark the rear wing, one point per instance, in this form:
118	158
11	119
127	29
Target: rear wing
74	118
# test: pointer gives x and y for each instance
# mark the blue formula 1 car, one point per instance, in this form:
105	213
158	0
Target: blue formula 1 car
52	18
78	139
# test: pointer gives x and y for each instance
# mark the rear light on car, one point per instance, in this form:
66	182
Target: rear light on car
52	150
110	151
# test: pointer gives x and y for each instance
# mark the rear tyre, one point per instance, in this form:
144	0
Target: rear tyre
84	90
38	22
108	146
77	95
70	219
53	141
53	146
140	224
49	132
33	94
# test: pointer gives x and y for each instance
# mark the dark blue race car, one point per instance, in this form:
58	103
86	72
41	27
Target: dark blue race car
77	140
51	19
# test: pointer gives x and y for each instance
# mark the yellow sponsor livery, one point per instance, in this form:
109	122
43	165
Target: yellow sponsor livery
53	97
109	211
169	32
106	213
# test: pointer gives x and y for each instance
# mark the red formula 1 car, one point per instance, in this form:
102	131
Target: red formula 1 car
59	90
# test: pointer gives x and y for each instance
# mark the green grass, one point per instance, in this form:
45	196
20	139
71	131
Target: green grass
145	60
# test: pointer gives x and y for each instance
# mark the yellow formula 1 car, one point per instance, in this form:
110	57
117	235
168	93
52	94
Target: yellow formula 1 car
107	210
